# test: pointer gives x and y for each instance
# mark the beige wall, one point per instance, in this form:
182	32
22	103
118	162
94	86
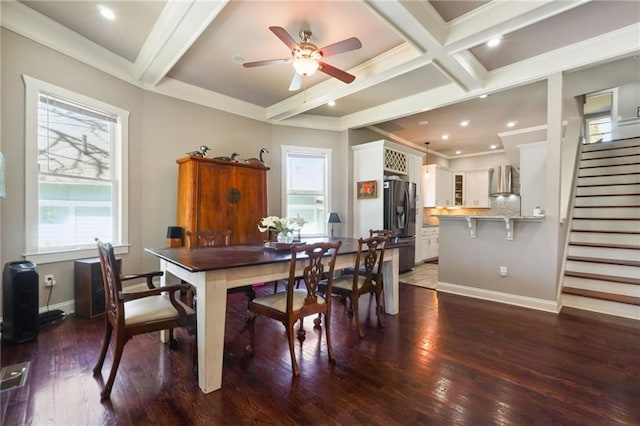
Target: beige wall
162	129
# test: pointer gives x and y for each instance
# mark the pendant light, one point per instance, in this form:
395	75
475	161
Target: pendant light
427	162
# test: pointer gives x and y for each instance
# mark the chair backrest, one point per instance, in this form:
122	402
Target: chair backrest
319	261
380	233
114	306
208	238
369	263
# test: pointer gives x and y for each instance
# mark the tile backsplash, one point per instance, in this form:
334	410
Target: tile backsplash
500	206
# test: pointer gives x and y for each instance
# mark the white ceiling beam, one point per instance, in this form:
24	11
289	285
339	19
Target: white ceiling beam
419	23
501	17
178	27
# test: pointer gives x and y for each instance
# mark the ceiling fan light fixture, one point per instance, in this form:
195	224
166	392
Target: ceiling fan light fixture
305	59
305	66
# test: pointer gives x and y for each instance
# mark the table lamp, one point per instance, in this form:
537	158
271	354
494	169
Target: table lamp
333	218
174	236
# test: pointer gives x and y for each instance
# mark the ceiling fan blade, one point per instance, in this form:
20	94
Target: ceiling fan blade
296	82
283	35
335	72
342	46
266	62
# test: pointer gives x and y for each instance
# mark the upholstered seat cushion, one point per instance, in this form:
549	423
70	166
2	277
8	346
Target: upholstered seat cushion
278	301
346	282
152	308
362	270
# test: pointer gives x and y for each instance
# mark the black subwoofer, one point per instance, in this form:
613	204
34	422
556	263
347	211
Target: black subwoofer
20	302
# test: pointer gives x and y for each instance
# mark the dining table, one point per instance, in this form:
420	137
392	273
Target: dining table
214	270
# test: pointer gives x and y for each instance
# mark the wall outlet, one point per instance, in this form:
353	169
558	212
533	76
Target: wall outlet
49	280
503	271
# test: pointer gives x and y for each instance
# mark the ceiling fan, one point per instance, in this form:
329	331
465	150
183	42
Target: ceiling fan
306	57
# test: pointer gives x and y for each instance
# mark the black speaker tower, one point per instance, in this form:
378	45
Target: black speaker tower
20	302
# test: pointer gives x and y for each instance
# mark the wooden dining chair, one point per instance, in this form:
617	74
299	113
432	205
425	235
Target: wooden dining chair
288	306
131	313
210	238
366	278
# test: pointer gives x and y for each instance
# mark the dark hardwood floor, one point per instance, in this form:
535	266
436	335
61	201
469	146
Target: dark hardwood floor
444	359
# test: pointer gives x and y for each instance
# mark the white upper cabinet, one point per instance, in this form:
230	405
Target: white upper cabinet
437	186
476	189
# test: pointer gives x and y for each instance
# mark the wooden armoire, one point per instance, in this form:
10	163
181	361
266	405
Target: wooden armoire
219	195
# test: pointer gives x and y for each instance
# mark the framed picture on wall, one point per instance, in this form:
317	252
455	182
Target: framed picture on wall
367	189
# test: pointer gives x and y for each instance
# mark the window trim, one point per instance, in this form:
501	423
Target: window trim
304	150
33	87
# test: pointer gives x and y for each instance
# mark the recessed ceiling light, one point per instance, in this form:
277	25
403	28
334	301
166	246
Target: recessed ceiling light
494	42
331	103
458	152
423	122
445	137
493	146
238	59
484	95
464	123
511	123
106	12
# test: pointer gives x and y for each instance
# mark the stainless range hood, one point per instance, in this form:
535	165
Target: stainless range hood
505	180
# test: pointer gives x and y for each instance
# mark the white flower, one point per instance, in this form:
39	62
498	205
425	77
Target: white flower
280	224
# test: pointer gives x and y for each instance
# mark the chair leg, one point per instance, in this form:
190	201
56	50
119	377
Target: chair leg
173	342
251	319
302	334
105	346
379	308
327	320
117	355
356	316
294	363
250	293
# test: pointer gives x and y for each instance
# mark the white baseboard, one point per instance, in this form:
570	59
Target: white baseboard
68	307
495	296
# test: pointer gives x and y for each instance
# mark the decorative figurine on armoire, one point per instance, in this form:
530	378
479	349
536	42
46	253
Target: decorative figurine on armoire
201	153
259	160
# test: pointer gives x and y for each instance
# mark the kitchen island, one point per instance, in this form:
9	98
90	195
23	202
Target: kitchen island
498	258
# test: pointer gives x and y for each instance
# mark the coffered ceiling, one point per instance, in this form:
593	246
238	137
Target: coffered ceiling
419	73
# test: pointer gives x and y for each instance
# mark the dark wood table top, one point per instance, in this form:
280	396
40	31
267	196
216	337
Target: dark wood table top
223	257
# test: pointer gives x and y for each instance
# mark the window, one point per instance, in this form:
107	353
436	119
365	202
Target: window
306	174
76	176
600	110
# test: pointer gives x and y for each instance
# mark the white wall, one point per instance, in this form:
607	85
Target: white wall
533	159
478	161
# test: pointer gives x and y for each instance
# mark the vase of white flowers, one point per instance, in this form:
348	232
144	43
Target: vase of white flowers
283	226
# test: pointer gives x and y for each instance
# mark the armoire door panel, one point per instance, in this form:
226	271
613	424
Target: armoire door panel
252	185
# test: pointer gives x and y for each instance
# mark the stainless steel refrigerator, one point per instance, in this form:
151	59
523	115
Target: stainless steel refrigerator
400	218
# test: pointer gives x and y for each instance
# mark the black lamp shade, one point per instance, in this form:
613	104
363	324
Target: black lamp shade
334	218
174	232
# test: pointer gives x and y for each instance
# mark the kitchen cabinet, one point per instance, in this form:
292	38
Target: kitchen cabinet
476	189
437	186
430	243
219	195
458	189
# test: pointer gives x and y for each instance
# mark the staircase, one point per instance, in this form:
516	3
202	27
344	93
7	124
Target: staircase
602	270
